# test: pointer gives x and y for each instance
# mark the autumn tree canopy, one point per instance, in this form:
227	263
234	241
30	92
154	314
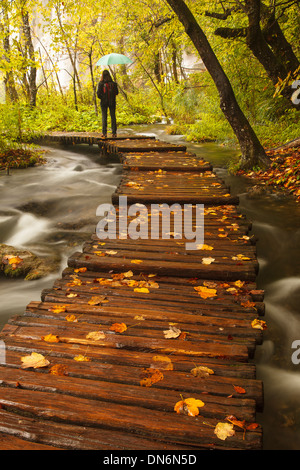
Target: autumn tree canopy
250	49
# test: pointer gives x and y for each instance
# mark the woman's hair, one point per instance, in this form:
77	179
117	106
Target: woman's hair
106	77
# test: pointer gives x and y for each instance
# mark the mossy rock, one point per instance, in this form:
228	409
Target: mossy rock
18	263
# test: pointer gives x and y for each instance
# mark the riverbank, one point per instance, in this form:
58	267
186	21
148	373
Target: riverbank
19	157
283	174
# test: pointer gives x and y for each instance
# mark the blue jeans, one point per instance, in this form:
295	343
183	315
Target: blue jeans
112	110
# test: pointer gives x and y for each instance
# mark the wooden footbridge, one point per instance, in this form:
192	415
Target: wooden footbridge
142	344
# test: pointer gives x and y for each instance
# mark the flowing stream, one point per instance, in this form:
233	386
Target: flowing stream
51	210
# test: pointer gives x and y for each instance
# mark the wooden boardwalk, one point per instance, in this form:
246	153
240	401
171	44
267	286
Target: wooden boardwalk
135	326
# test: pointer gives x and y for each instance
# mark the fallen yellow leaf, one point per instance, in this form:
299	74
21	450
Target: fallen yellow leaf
248	304
76	282
258	324
71	318
172	332
232	290
35	360
81	358
97	299
12	260
189	406
153	285
95	335
205	247
224	430
128	274
80	270
239	283
58	308
205	292
210	284
139	317
240	257
51	338
142	290
202	371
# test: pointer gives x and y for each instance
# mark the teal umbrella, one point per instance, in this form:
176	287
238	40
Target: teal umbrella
113	58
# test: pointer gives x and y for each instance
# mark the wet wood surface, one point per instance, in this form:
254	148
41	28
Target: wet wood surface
126	327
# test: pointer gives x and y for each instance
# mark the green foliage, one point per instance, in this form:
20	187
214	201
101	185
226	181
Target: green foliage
273	133
149	33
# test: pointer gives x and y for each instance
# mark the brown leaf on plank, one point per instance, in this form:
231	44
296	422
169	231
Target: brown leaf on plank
58	369
239	389
118	327
150	376
162	363
97	299
201	371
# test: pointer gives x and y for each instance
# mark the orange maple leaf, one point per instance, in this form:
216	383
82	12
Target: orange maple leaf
118	327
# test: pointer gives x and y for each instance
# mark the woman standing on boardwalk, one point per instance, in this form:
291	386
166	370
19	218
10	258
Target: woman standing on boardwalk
107	91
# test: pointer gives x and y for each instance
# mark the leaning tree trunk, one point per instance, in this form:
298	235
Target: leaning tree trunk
253	153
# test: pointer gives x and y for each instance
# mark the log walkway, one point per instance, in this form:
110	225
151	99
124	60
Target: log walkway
133	327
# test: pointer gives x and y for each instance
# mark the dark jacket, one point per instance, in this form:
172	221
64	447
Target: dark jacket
107	92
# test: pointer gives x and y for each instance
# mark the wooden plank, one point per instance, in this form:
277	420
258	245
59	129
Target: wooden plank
226	271
20	432
9	442
161	396
172	161
87	137
109	360
151	424
142	145
76	335
151	318
246	338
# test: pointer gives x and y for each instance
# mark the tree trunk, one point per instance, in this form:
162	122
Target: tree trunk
278	42
54	69
30	50
93	81
256	41
72	57
174	62
253	154
267	43
157	67
9	81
